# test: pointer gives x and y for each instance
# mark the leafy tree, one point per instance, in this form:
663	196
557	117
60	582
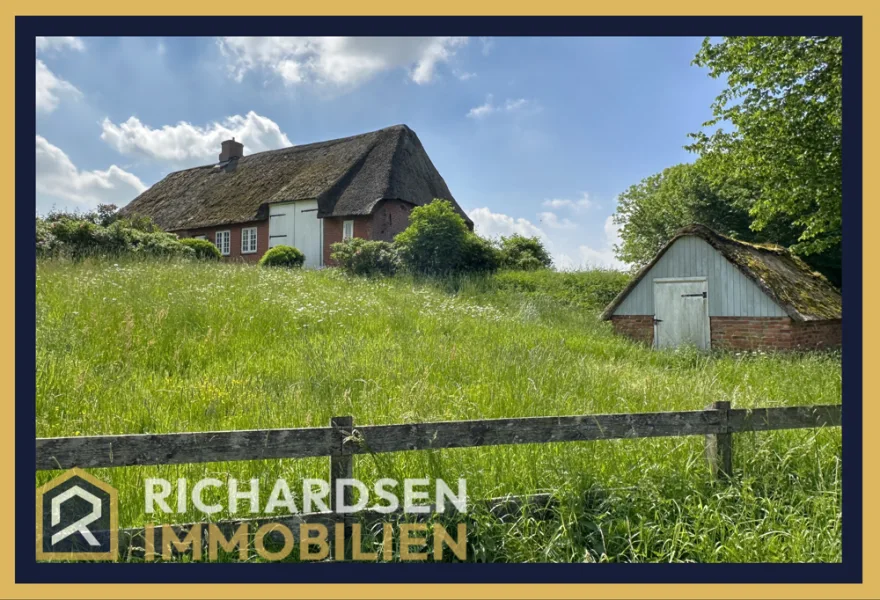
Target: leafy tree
651	211
438	242
523	253
783	99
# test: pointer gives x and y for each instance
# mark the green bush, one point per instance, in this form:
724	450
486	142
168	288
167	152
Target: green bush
103	233
478	255
283	256
357	256
523	253
203	249
438	242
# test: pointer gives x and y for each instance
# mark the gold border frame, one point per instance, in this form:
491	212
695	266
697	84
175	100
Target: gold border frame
868	9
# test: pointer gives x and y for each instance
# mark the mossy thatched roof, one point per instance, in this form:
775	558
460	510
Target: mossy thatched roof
801	292
348	177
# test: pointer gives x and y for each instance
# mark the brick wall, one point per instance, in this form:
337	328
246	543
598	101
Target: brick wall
333	232
637	327
235	239
746	333
817	335
390	218
751	333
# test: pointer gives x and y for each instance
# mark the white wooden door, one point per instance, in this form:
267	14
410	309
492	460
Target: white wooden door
681	313
297	224
307	232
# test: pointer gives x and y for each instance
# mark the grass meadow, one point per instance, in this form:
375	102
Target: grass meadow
138	347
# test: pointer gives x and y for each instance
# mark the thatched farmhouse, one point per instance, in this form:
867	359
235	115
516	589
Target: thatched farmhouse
305	196
709	290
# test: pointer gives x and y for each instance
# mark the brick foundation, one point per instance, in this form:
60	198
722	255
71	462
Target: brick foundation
747	333
817	335
637	327
751	333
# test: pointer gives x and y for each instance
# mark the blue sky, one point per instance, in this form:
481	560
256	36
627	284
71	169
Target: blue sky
533	135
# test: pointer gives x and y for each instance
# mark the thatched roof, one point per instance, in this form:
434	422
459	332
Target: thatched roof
802	293
348	177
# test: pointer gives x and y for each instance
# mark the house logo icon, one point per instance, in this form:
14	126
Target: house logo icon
77	518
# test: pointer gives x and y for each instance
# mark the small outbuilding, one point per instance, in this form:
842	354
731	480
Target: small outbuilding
712	291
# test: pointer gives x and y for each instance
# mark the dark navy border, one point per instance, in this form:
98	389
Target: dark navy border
27	570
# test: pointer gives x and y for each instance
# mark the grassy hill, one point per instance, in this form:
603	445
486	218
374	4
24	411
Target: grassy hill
141	347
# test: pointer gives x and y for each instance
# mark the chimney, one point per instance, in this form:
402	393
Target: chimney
230	149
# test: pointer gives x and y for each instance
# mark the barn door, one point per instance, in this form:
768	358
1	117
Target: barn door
297	224
681	313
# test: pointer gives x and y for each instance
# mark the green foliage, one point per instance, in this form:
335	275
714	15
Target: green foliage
204	250
283	256
358	256
783	98
478	255
103	233
651	211
523	253
438	242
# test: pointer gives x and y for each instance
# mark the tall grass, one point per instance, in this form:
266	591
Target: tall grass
139	347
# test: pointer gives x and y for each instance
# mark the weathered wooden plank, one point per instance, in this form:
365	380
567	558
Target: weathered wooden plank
180	448
789	417
719	446
533	430
341	467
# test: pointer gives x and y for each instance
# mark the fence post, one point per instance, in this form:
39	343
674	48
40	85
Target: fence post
341	467
719	446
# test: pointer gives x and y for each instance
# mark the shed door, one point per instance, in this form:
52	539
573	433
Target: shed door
297	224
681	313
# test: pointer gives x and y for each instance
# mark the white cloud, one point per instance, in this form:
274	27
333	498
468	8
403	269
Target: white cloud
188	144
51	88
487	43
46	44
478	112
511	106
339	61
493	225
552	221
604	256
463	75
581	203
58	177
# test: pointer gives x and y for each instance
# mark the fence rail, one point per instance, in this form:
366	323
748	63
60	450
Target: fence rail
344	438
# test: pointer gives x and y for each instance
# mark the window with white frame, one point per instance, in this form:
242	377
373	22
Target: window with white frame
347	230
221	240
248	240
200	237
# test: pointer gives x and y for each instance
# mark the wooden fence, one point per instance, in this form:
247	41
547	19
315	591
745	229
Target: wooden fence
342	440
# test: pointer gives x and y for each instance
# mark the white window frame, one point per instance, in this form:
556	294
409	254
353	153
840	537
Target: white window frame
249	235
200	237
347	230
223	241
